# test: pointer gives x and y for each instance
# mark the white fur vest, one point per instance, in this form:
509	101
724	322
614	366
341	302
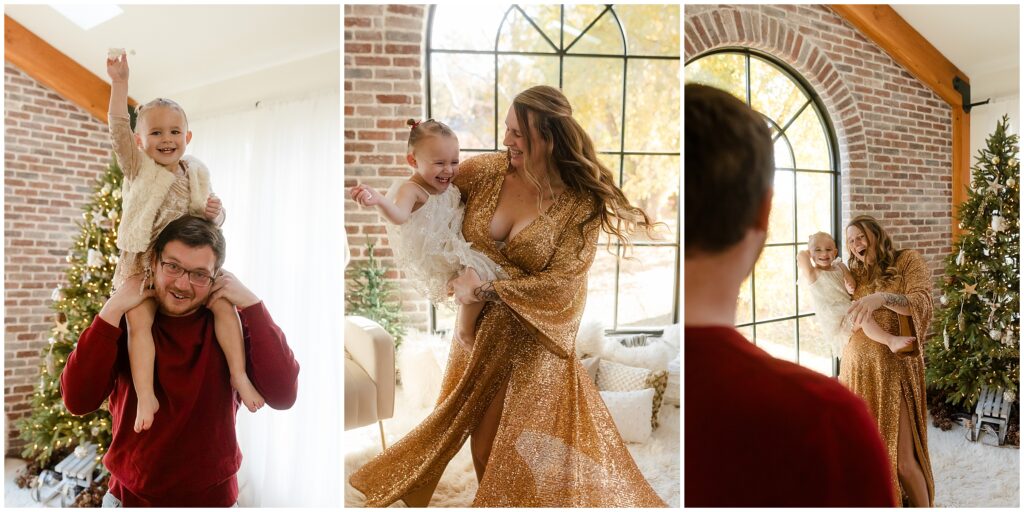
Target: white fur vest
142	197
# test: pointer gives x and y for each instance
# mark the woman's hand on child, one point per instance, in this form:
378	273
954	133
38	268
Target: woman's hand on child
213	208
365	195
862	308
118	69
464	284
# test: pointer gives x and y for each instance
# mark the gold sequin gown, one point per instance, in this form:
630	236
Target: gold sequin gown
882	378
556	444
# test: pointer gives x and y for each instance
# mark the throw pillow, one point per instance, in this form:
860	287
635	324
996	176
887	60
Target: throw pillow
613	376
618	377
628	410
672	390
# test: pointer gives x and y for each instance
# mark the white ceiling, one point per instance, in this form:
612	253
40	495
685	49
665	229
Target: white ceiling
208	57
983	41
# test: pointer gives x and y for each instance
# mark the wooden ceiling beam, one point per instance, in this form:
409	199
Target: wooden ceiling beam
883	25
50	67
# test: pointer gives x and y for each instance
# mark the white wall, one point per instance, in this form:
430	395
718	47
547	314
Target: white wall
984	118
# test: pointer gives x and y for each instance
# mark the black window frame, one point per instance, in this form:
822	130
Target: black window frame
813	101
561	53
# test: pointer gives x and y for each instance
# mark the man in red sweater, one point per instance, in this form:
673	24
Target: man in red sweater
190	456
760	432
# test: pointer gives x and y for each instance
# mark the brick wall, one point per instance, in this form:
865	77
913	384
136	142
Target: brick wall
54	151
383	88
894	134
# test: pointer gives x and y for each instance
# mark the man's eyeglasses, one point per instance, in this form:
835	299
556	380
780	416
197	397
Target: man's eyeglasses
200	278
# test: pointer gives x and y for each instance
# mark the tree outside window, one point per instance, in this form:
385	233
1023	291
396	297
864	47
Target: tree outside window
619	67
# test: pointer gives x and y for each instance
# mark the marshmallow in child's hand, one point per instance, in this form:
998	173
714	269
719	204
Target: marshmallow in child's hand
116	53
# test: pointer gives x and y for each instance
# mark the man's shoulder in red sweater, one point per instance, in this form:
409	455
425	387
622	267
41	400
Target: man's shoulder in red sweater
762	431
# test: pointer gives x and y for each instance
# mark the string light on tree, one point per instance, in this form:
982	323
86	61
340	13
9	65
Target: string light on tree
50	428
979	304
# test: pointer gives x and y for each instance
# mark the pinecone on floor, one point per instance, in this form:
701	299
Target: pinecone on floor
93	496
1013	435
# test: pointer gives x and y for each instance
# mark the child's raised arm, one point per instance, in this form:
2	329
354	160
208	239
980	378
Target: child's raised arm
396	209
803	262
117	69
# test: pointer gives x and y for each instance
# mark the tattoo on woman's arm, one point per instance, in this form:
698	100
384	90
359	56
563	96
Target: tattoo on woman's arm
485	292
896	300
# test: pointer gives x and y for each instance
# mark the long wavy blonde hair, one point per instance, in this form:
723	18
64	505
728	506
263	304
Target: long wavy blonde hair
571	152
881	269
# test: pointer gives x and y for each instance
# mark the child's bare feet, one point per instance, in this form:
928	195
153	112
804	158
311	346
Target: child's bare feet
900	343
144	411
252	399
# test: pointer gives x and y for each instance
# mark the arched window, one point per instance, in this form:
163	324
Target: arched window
771	310
619	67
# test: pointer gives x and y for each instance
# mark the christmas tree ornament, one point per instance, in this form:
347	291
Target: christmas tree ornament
61	329
980	340
95	258
998	224
970	289
48	429
1009	395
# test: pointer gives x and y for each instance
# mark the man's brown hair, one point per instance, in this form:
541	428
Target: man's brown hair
730	168
193	232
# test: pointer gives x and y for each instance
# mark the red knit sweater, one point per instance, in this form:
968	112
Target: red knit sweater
762	432
190	456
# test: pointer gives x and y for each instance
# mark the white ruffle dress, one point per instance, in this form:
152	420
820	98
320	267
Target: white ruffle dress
830	302
430	248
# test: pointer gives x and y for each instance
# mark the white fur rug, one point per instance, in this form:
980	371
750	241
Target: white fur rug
972	474
421	369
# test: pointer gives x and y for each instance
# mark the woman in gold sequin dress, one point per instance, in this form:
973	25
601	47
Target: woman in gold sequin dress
892	284
541	436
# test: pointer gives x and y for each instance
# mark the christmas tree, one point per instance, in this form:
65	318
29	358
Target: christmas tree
369	295
50	429
978	323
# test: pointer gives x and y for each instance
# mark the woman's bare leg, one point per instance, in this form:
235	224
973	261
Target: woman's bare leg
482	439
907	466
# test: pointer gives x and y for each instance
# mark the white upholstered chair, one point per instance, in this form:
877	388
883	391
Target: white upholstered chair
369	374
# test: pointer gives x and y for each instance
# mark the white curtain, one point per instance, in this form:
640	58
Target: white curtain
277	168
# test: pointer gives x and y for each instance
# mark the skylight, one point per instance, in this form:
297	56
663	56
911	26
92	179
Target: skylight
88	16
